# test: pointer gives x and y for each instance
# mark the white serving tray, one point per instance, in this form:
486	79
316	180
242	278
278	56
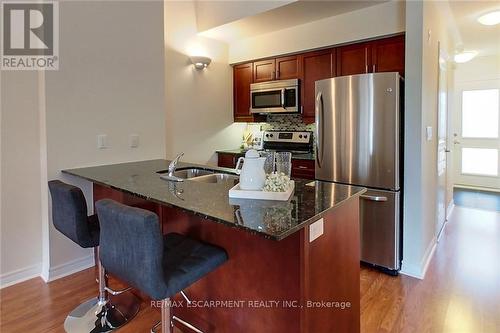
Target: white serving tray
236	192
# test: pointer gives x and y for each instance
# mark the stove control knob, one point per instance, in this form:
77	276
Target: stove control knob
305	136
271	135
267	135
300	136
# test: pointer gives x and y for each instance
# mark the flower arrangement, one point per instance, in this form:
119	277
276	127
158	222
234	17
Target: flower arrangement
277	182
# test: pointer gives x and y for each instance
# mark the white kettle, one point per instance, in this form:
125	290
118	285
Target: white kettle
252	174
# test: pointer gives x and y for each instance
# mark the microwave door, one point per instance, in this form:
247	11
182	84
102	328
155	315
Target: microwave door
267	99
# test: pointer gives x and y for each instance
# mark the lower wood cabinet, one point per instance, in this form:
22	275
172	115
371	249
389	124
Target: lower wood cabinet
303	169
227	160
300	168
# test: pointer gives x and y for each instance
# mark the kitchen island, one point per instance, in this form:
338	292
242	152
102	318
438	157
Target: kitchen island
293	266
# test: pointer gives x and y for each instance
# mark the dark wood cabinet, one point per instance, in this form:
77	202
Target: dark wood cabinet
382	55
353	59
315	66
227	160
242	78
303	169
264	70
287	68
388	55
300	168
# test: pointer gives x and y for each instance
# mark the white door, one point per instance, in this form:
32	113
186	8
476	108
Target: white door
442	141
477	139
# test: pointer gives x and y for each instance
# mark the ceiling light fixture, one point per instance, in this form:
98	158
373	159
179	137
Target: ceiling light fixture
465	56
491	18
200	62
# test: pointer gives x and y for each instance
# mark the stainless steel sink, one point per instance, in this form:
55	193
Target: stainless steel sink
198	174
215	178
188	173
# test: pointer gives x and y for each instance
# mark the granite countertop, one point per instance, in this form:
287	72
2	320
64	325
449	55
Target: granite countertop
295	156
271	219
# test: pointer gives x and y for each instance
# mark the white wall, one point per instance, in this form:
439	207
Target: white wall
198	103
421	85
478	69
21	175
210	14
110	81
387	18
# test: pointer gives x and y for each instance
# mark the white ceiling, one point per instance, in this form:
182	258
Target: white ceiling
296	13
475	36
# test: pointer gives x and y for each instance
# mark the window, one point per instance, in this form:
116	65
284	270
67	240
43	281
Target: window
480	113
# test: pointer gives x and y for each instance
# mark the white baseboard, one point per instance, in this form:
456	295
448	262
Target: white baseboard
20	275
69	268
419	271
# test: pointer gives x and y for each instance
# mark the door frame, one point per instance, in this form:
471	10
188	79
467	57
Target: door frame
442	141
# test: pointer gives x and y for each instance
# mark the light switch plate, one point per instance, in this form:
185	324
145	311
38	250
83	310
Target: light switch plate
134	141
429	133
316	230
102	141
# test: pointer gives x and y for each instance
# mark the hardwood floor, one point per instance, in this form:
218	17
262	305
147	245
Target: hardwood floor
461	291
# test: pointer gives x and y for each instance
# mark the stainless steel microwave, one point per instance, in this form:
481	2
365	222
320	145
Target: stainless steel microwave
275	97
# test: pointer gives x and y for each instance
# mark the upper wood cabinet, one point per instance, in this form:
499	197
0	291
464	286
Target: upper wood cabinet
315	66
287	68
264	70
242	78
283	68
383	55
353	59
388	55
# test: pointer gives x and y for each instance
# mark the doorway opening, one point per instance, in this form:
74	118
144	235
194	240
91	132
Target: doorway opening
476	143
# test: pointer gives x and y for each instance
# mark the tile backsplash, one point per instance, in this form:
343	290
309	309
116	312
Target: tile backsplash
289	122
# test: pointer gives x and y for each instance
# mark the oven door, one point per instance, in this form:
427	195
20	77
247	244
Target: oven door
277	100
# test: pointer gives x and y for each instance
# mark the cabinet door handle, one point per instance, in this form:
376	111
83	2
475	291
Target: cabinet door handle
374	68
374	197
301	167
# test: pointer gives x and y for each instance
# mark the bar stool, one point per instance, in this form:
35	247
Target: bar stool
133	248
101	314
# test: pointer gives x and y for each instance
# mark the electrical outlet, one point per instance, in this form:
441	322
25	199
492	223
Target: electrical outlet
134	141
316	230
102	141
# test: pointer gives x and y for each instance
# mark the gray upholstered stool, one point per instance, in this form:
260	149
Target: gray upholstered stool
133	248
101	314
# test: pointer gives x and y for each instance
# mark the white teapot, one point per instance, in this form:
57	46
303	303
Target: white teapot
252	174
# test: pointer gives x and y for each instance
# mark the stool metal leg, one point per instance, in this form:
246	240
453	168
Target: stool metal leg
166	321
104	313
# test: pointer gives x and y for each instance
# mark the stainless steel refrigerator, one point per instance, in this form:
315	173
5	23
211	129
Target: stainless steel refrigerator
359	142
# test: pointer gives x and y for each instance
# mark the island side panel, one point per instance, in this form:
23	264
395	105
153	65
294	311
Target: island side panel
259	273
332	272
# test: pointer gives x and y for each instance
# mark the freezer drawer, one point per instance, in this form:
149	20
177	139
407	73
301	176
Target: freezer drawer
379	219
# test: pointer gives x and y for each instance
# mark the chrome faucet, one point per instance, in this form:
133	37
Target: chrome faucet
172	166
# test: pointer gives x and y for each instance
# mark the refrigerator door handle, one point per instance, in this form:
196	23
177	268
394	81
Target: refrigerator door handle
319	131
374	197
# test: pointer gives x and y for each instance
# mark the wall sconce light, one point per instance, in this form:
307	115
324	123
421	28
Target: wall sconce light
200	62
